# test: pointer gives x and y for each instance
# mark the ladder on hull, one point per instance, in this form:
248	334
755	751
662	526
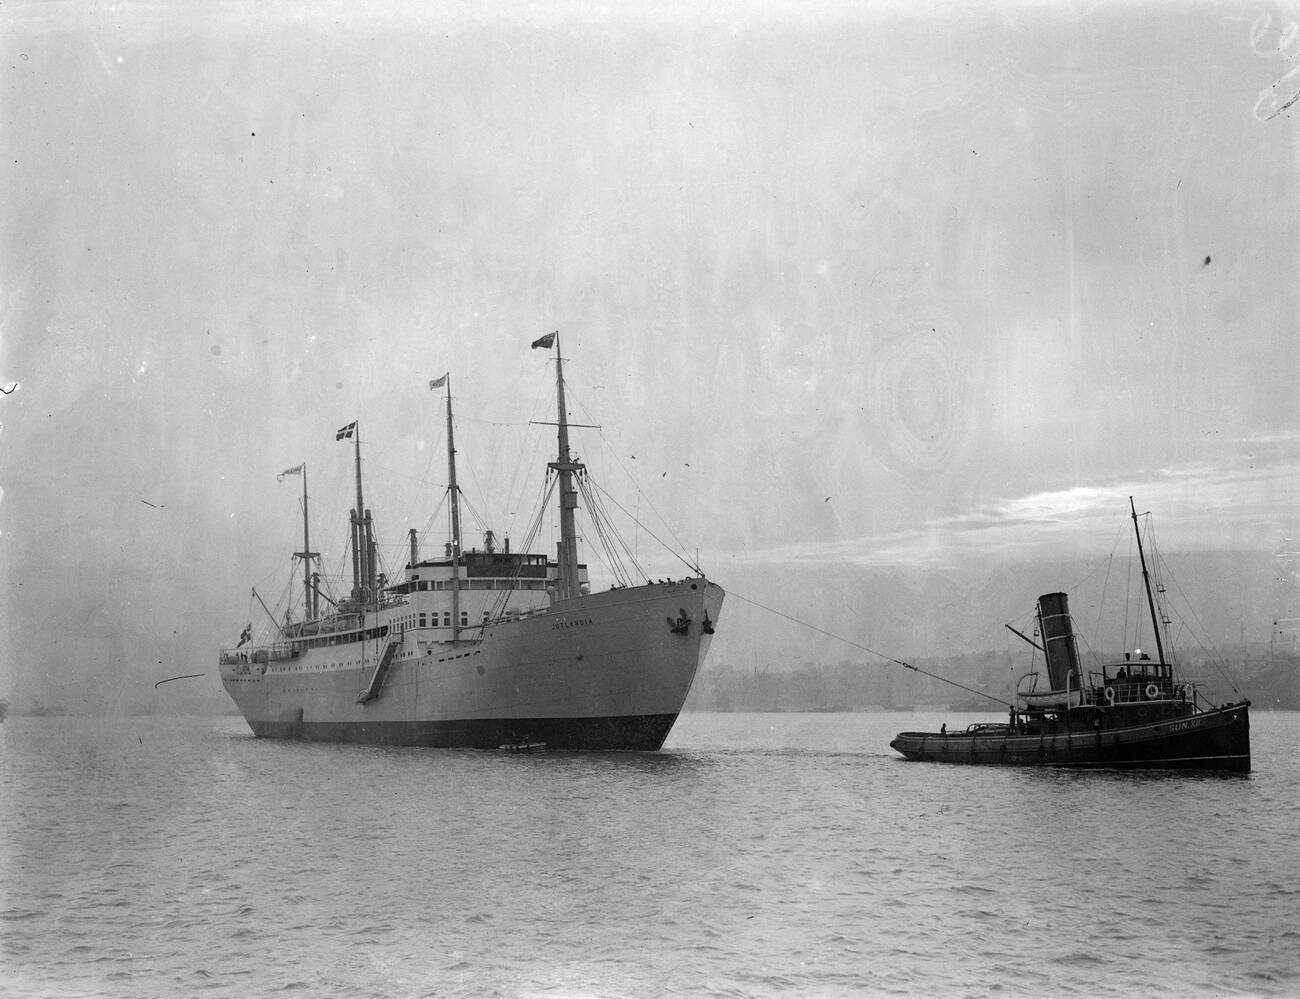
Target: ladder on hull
381	671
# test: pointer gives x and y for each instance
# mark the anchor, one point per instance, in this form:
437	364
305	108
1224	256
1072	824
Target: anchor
683	623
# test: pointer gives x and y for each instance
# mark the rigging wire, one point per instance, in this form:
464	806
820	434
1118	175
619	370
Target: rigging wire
499	602
677	555
1128	599
1215	657
859	645
427	529
426	479
518	484
1105	586
641	494
283	600
597	505
474	513
528	444
609	538
471	467
534	528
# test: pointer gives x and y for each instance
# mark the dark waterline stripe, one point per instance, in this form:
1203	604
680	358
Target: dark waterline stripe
621	732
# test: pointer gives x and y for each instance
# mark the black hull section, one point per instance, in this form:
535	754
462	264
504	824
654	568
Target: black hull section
1214	740
636	733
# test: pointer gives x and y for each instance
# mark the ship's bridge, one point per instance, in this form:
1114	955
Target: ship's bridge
445	595
483	570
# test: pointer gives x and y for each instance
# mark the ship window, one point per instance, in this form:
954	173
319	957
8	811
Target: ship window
446	619
422	621
464	618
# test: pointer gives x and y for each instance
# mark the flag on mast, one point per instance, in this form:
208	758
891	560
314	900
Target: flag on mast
547	341
296	470
246	635
439	382
347	431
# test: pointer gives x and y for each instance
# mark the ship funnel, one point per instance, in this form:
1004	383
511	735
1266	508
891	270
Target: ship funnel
1059	644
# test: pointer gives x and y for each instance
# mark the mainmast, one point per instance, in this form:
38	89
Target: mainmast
453	496
1146	582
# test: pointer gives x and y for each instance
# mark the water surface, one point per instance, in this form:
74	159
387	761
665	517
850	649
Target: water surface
757	855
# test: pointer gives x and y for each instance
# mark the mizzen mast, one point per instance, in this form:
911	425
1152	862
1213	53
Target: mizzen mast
363	542
308	605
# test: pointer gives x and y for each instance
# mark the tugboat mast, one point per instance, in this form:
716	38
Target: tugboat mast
1146	582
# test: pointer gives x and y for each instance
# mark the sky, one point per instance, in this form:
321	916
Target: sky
860	296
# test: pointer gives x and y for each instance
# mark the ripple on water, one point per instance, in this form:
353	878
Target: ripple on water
793	868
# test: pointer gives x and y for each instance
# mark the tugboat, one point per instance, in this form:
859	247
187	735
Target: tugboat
1134	713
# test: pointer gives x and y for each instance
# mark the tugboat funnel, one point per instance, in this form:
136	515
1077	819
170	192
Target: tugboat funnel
1057	631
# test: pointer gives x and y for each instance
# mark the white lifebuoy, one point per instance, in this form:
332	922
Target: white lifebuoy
1110	695
1152	692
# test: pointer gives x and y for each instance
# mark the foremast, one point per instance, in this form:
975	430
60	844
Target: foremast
566	467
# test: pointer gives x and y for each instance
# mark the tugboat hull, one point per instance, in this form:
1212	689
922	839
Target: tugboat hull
1218	739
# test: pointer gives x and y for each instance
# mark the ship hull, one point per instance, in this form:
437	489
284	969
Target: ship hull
1211	740
604	671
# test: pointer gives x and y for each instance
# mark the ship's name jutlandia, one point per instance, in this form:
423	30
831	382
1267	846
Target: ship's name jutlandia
581	622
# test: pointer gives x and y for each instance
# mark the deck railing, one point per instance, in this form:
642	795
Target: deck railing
261	654
1141	689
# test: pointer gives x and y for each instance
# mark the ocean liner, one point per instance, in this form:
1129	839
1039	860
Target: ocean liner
482	648
1135	713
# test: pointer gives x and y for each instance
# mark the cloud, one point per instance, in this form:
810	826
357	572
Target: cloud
1199	506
